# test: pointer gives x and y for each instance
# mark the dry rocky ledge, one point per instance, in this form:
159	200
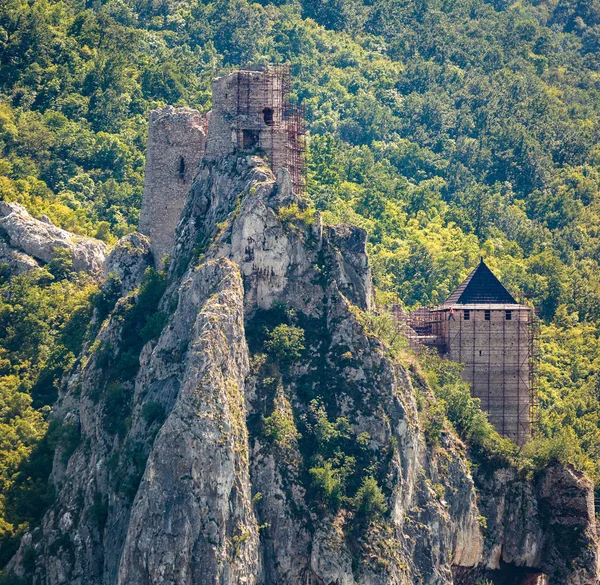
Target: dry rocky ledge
25	242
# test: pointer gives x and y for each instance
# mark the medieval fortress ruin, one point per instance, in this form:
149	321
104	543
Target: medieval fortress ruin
252	113
480	325
176	145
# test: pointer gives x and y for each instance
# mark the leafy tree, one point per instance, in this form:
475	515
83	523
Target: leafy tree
369	500
285	343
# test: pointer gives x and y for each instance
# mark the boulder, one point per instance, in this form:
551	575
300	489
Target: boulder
40	240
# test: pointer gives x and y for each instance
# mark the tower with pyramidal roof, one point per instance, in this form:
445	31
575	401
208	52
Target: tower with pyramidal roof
483	327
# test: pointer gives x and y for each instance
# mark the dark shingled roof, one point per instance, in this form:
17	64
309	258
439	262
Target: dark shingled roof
480	287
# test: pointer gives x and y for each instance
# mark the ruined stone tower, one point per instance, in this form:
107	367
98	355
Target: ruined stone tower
252	114
482	326
176	145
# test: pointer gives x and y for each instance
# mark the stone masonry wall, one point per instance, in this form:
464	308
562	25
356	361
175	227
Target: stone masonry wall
248	102
176	145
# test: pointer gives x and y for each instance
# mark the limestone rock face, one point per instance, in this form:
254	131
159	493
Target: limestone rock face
545	527
16	261
277	260
351	266
567	506
128	261
40	240
176	479
193	507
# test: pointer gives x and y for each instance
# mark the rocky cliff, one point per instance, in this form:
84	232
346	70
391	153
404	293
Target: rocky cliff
239	424
26	243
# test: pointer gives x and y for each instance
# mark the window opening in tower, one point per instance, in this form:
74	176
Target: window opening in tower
250	139
268	116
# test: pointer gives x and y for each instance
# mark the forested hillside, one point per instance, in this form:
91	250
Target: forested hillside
448	129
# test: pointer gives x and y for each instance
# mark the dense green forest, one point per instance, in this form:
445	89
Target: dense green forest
447	128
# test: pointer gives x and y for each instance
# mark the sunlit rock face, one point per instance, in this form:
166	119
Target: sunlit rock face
174	480
25	242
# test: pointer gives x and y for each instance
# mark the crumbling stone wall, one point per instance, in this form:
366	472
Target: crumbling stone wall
176	145
248	116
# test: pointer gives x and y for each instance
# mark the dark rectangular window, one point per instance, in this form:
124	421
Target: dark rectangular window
509	315
488	314
467	315
268	116
250	139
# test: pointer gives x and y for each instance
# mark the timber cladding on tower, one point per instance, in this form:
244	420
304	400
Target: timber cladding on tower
252	114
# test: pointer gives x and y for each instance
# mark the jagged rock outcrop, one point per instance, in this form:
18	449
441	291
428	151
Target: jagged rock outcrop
197	447
128	261
546	523
183	534
16	261
30	241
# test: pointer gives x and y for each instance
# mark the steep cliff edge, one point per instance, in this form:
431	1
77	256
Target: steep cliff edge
239	424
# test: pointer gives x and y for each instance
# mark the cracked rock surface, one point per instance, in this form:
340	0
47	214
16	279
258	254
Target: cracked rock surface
26	241
189	490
